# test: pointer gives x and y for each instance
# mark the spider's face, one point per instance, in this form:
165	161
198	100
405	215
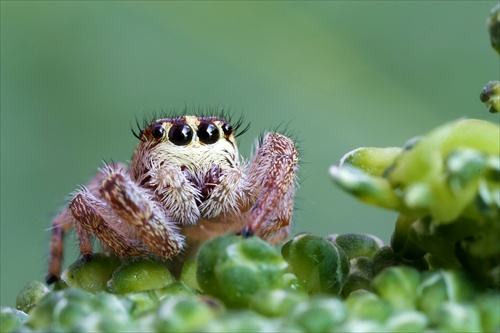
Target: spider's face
195	144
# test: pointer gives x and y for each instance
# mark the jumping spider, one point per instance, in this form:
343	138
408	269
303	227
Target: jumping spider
185	184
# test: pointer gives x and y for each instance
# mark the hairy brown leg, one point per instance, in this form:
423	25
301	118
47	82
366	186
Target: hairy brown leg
60	225
133	205
63	222
273	173
86	210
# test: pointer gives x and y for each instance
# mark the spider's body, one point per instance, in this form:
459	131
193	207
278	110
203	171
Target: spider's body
185	184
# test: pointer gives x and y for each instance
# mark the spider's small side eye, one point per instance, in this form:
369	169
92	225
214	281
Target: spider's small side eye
180	134
208	133
158	131
228	129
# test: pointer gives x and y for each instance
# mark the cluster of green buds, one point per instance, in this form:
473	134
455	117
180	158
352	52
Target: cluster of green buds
446	186
315	284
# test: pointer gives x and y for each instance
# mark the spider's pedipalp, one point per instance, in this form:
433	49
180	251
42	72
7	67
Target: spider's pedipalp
135	206
89	211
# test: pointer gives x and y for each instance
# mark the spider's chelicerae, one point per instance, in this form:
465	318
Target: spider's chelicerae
185	184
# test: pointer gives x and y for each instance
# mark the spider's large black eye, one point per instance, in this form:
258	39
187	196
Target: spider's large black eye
158	131
208	133
228	129
180	134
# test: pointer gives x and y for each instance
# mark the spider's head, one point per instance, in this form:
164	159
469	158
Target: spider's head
191	142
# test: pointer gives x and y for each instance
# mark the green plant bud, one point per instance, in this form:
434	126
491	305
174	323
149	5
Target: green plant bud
373	161
457	317
92	275
145	322
363	266
209	256
398	286
407	321
357	245
11	319
439	240
142	302
111	313
240	283
319	314
361	326
480	254
40	317
321	266
464	166
488	202
401	243
183	314
139	275
234	269
488	305
385	257
370	189
30	295
490	96
360	275
356	281
188	274
292	282
493	24
241	321
72	309
276	303
77	310
364	305
177	288
441	286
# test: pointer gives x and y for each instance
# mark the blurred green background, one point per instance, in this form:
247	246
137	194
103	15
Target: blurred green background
74	75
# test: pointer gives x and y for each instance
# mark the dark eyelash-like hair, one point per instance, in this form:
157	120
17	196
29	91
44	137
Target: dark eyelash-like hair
138	131
210	112
284	129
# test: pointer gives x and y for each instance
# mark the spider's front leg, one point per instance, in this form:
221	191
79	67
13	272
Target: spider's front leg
65	220
273	175
135	205
94	217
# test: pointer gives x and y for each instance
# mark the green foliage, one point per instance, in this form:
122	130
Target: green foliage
446	187
289	293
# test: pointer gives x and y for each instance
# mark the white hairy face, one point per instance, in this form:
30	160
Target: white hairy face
190	153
